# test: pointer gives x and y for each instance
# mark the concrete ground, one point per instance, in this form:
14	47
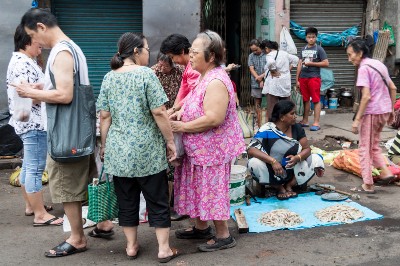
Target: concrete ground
363	243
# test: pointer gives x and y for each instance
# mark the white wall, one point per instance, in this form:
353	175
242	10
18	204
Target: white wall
11	12
162	18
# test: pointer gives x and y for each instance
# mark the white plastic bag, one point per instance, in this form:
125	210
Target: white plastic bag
22	108
143	214
286	42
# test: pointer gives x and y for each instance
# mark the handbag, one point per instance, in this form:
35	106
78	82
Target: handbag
71	128
357	103
103	203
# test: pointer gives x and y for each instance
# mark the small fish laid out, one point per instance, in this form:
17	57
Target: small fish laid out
280	218
339	213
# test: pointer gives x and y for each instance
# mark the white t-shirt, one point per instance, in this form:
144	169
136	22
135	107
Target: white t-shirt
279	86
24	68
83	69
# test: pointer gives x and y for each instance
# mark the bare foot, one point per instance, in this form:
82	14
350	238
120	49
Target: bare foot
47	217
133	250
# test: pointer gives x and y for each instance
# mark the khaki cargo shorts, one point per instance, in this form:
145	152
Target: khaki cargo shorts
68	182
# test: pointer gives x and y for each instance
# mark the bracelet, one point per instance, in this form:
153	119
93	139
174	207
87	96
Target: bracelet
274	161
299	156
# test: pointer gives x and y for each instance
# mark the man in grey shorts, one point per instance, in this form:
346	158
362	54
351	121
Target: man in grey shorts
68	181
256	62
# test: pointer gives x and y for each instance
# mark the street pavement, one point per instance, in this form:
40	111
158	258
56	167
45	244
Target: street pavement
362	243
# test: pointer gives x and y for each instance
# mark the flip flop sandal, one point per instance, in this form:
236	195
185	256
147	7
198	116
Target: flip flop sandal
175	254
360	189
292	194
385	181
315	128
285	197
96	232
132	257
64	249
304	125
48	222
46	207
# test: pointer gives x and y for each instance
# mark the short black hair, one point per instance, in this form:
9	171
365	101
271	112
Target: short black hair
269	44
21	38
174	44
280	109
255	42
360	45
312	30
38	15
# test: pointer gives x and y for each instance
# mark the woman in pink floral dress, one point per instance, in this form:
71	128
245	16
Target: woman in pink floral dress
212	138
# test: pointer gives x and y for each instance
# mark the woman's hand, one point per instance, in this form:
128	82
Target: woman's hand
278	169
292	160
176	116
171	151
177	126
391	118
102	151
355	126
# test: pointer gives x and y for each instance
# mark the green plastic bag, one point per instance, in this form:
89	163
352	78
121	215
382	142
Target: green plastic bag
386	26
103	203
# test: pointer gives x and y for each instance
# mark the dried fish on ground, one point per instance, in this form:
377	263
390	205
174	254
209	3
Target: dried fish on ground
339	213
280	218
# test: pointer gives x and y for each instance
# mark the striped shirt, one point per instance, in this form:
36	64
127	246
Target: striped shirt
395	148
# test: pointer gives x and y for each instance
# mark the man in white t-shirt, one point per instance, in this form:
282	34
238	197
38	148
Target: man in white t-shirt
67	181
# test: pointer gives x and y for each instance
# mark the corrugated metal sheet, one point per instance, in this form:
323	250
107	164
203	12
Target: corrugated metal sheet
96	27
330	16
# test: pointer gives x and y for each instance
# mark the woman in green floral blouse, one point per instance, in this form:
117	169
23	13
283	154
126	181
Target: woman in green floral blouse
134	130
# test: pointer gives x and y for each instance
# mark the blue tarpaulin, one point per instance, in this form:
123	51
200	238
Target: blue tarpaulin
326	39
305	205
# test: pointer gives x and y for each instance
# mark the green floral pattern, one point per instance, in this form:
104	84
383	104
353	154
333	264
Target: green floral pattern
135	146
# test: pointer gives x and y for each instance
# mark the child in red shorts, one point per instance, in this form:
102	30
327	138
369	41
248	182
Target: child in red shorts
308	77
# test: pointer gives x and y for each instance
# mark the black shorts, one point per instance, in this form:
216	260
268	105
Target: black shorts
155	191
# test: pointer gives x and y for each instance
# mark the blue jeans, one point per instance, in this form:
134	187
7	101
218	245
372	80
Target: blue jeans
35	152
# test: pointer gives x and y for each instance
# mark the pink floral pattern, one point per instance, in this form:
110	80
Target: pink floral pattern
202	181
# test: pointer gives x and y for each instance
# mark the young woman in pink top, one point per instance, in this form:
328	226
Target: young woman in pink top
375	110
212	137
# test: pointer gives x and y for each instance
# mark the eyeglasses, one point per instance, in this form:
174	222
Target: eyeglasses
147	48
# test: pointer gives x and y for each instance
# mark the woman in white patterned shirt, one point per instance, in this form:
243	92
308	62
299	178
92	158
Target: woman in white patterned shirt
23	68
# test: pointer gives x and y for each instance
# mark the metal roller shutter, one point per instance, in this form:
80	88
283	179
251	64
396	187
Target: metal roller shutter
330	16
96	27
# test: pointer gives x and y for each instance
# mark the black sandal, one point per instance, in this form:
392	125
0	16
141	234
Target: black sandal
195	233
219	243
96	232
64	249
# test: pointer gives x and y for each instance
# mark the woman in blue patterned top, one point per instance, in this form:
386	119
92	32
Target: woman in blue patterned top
134	130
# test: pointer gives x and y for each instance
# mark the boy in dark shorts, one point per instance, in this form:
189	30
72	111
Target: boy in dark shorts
308	78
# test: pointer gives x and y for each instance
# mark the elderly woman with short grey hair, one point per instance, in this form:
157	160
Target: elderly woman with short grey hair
212	137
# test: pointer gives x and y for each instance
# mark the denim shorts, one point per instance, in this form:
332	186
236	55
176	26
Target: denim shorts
35	151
